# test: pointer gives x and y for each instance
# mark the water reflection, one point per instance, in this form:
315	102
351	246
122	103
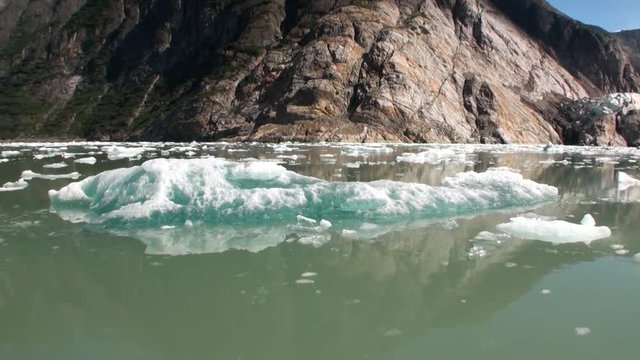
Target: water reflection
68	291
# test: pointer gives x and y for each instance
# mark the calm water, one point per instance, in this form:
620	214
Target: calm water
398	288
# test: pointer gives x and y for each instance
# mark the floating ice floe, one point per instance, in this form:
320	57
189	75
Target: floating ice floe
14	186
555	231
10	153
59	165
28	175
636	257
435	156
355	150
88	160
121	152
625	181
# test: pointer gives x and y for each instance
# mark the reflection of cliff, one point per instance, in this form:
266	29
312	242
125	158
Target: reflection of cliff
238	304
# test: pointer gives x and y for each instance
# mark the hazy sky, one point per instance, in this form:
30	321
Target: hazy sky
612	15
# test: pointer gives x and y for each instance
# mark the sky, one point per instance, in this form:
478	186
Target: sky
612	15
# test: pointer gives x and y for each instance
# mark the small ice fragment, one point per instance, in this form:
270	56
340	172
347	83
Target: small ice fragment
308	274
622	252
14	186
59	165
188	223
545	292
509	265
168	227
464	301
617	247
636	257
325	224
10	153
583	331
302	220
588	220
88	160
304	281
28	175
476	252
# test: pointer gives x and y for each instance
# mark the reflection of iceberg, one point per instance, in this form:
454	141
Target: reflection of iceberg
217	192
555	231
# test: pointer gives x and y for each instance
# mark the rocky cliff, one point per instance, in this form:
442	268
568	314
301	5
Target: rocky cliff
493	71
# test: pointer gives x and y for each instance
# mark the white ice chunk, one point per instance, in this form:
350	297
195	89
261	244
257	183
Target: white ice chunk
121	152
10	153
435	156
325	224
583	331
636	257
588	220
88	160
553	231
28	175
309	274
545	292
14	186
59	165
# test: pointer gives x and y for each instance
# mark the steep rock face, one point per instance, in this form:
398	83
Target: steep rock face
341	70
610	120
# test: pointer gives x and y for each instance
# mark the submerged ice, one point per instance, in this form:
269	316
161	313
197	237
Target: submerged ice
171	191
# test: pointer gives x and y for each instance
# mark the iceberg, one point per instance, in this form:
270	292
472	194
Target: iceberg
171	191
255	205
555	231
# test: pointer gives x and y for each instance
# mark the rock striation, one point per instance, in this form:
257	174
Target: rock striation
490	71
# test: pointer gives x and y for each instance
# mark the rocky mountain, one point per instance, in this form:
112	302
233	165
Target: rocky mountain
493	71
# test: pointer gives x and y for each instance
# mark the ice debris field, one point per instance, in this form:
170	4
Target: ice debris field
160	190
